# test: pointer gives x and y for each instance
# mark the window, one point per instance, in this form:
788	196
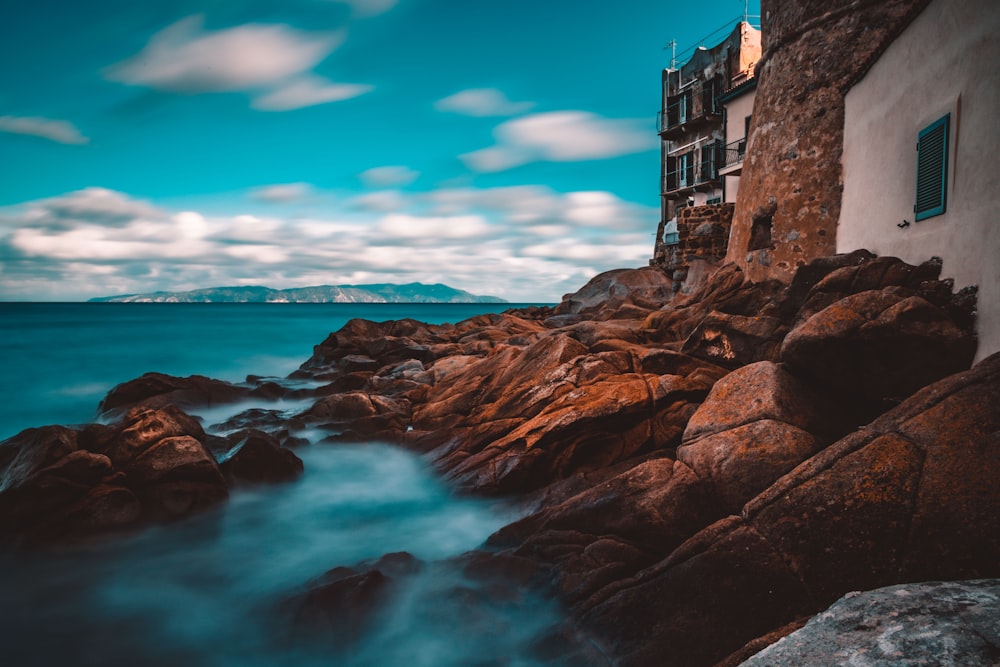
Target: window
932	169
686	169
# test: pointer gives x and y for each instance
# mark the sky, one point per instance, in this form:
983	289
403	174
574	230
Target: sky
504	147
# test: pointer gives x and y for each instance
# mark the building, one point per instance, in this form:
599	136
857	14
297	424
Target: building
703	124
737	109
690	122
921	139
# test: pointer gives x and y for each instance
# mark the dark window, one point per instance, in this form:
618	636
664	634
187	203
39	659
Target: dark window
932	169
708	168
671	181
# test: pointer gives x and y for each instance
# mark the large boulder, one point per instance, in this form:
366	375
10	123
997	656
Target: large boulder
59	484
156	390
612	291
910	497
909	625
258	458
879	345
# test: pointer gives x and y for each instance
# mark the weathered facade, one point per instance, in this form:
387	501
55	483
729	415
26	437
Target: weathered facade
699	170
690	123
936	85
791	184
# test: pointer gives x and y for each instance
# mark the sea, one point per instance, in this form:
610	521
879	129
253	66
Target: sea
215	590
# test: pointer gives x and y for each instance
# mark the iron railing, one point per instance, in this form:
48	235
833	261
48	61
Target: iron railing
697	102
733	153
686	171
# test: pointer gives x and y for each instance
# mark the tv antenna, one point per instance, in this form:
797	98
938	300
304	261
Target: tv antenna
672	45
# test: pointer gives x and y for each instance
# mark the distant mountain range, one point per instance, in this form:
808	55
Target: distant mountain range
377	293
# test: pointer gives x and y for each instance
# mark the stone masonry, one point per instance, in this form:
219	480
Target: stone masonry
790	190
702	239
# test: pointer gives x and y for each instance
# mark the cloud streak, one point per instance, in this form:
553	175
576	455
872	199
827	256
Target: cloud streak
60	131
273	62
481	102
524	243
560	136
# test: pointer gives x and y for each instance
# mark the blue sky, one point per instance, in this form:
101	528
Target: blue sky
502	147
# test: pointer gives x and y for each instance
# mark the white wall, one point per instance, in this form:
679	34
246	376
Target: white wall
737	110
946	61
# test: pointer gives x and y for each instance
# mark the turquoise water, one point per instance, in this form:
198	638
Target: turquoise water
60	359
213	591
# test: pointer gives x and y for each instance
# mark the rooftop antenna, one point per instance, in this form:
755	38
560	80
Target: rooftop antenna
672	45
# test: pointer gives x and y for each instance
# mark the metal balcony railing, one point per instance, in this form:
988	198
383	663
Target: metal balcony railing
697	102
733	153
685	171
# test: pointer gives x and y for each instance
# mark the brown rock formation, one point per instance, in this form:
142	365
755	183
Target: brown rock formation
684	501
59	484
871	510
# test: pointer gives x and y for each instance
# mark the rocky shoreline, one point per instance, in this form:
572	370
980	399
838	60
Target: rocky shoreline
702	473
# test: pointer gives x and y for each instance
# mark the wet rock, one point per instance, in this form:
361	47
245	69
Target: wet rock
342	604
156	390
258	458
615	528
59	484
909	625
358	416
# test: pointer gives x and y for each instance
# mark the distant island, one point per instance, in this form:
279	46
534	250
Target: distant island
376	293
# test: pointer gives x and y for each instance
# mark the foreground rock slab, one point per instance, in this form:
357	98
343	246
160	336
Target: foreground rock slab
910	625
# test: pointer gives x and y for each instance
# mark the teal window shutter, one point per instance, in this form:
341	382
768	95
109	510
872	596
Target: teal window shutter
932	169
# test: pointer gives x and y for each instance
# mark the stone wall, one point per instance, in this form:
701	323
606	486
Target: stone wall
790	189
702	239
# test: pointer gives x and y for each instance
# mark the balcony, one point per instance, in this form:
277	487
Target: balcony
684	174
731	162
690	109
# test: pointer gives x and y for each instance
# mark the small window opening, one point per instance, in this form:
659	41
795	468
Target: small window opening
760	230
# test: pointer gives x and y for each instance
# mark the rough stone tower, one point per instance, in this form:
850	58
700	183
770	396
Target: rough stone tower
790	191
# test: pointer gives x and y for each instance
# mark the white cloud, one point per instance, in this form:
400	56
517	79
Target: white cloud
482	102
381	200
380	177
367	8
282	192
272	61
60	131
398	225
560	136
497	158
307	91
98	205
524	243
